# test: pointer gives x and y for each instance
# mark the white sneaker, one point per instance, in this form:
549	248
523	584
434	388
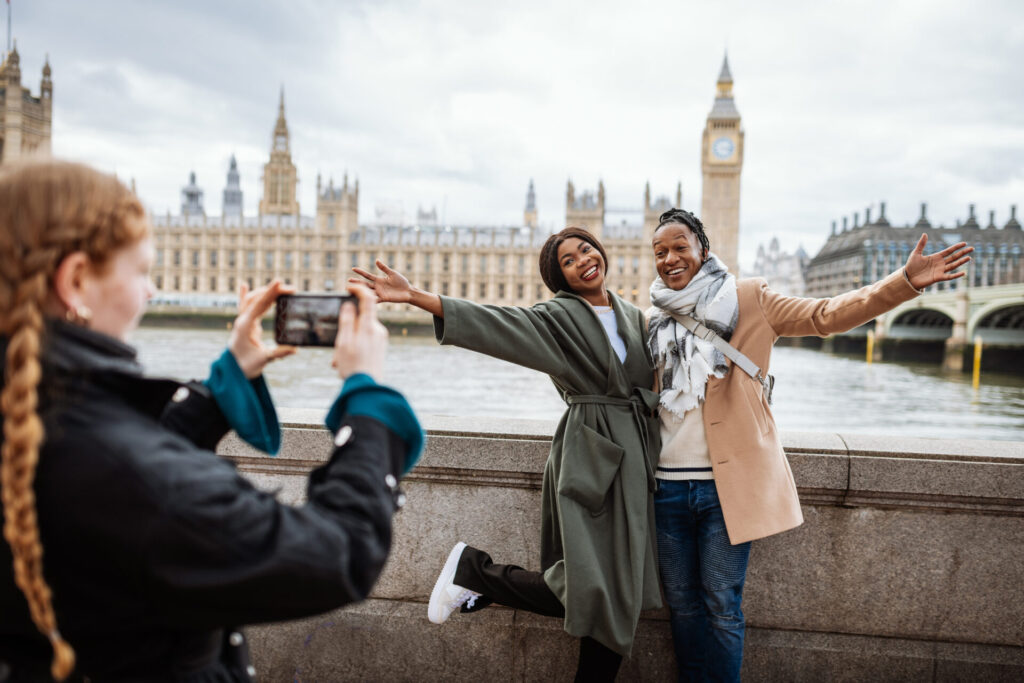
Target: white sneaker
447	596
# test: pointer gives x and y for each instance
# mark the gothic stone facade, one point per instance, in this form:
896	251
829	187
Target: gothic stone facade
864	253
199	256
25	120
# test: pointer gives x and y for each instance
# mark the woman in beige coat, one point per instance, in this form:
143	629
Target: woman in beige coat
723	479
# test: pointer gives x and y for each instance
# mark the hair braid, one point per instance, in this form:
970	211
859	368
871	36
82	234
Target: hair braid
48	210
23	433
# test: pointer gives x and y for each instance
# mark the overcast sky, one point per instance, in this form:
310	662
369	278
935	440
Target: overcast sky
458	104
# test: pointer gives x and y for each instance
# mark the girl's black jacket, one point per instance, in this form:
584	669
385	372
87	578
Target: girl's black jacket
154	546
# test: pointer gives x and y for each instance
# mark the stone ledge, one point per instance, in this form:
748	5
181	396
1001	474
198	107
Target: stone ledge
833	469
392	640
911	555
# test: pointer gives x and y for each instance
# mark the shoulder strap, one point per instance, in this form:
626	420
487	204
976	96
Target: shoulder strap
731	352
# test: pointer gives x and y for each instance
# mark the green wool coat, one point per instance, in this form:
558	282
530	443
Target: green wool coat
598	533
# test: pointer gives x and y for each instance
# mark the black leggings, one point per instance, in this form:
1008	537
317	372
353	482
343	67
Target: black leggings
512	586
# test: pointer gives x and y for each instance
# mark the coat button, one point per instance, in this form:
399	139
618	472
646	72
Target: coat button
400	500
236	639
180	395
251	670
343	436
391	481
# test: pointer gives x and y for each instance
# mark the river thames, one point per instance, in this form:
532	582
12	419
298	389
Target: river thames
814	391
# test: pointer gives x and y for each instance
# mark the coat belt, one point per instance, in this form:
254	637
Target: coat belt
643	402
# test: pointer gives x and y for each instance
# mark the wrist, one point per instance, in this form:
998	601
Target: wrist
906	276
249	369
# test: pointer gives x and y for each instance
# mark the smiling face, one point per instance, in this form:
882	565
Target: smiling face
582	266
117	292
677	255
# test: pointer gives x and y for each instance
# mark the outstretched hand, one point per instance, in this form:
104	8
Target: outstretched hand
924	271
390	286
245	342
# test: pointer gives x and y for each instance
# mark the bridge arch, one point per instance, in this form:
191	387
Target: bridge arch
923	324
999	322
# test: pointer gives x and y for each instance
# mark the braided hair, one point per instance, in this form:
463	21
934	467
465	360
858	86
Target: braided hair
684	217
48	210
551	270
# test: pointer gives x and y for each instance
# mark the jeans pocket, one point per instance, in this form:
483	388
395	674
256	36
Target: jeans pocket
589	470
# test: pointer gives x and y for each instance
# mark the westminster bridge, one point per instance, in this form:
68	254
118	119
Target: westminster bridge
951	321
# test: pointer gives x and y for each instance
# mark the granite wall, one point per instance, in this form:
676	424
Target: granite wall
909	567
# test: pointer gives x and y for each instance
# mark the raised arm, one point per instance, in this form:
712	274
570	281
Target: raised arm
798	317
224	552
235	396
393	287
531	337
517	335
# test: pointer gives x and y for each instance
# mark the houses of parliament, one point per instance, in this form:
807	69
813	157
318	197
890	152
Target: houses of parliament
202	259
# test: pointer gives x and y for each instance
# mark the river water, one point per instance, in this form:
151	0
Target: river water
814	391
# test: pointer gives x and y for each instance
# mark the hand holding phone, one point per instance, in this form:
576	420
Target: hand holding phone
362	341
245	342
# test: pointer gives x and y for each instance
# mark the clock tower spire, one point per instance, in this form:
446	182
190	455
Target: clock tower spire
721	163
279	175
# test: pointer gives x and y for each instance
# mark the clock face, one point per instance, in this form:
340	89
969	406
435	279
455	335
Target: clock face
723	148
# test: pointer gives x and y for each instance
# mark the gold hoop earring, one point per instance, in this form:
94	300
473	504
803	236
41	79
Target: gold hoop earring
79	315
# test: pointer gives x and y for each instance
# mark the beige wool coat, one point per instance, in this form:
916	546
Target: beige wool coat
755	484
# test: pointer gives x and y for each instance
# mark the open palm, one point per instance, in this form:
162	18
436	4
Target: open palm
924	271
390	285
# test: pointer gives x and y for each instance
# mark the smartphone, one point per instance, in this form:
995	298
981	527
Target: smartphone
308	319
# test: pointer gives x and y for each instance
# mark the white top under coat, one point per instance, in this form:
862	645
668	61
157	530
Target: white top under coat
607	317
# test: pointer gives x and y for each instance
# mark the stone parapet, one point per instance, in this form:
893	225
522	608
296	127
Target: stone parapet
909	565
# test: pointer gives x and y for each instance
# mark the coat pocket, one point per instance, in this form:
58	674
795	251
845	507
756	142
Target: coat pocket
587	475
752	391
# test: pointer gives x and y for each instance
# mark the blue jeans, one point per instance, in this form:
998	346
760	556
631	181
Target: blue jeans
702	575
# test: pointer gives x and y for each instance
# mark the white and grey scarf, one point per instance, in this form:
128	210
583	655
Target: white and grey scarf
685	361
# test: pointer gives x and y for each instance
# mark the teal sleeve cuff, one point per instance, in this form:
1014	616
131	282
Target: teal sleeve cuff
246	404
360	395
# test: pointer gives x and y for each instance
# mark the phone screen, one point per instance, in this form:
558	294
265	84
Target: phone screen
308	319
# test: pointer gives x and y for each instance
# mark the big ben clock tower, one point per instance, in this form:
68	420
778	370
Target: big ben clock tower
721	163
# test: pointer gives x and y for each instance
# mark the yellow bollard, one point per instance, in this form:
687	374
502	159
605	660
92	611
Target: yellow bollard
976	377
871	345
405	332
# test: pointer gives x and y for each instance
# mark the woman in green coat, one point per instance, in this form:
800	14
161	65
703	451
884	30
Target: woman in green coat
597	545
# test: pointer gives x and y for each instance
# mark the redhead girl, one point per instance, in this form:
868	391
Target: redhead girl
131	551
